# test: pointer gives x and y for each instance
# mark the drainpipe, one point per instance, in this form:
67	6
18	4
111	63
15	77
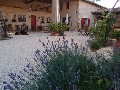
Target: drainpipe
55	11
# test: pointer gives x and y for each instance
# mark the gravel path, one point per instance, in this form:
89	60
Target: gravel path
17	52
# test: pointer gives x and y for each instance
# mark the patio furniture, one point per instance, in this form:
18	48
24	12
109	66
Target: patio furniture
10	28
44	26
39	28
17	28
84	31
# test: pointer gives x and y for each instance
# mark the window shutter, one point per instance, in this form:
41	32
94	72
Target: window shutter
88	22
82	21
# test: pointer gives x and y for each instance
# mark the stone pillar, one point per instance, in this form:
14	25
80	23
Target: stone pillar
55	11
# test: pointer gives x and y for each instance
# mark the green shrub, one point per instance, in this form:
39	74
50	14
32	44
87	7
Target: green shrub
95	45
52	27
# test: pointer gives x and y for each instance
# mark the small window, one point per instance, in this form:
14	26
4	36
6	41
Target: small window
42	19
48	20
61	5
67	5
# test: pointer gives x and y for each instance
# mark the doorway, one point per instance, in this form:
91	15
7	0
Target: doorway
33	22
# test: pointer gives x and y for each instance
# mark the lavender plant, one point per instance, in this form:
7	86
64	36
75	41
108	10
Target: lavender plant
64	66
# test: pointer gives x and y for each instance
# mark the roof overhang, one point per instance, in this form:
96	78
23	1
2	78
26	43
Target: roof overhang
114	10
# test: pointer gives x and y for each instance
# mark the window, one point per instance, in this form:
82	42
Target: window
13	17
67	5
85	22
48	20
21	18
61	5
42	19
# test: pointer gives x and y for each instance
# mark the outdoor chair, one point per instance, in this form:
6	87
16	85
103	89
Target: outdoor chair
84	31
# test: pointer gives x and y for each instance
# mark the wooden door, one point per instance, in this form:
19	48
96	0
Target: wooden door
33	22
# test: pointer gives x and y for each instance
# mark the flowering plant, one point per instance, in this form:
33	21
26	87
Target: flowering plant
63	66
52	27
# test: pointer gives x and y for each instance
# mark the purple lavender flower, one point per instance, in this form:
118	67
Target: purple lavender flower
69	83
8	87
32	69
31	74
18	76
83	48
16	85
35	60
12	76
35	75
28	65
78	72
50	86
43	44
46	62
37	51
57	88
4	82
22	79
25	70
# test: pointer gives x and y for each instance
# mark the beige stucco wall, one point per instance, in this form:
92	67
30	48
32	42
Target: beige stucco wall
18	7
72	13
78	10
18	11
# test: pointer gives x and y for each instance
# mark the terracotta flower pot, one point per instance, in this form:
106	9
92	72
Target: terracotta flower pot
53	33
61	32
117	43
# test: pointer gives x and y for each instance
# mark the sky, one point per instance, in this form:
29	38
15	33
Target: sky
108	3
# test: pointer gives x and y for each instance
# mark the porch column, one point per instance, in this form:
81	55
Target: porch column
55	11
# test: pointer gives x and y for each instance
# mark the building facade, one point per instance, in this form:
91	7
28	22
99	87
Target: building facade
79	13
35	12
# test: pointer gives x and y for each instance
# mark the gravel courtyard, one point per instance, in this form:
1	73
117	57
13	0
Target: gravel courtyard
18	51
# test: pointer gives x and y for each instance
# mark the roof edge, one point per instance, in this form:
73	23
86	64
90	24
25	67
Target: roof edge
94	3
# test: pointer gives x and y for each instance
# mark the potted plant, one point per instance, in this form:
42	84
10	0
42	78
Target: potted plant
94	46
115	34
61	28
52	28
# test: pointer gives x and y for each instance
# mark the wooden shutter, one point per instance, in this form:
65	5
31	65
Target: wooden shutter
82	21
88	22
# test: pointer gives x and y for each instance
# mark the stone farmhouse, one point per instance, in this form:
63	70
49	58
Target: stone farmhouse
37	12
